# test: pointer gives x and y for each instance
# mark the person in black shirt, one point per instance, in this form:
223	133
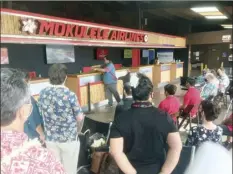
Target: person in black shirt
128	100
139	136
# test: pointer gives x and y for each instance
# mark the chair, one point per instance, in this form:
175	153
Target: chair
185	114
186	158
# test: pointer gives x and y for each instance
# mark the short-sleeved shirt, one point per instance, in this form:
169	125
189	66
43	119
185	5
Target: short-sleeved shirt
145	131
224	82
59	108
171	105
208	90
199	134
109	77
33	121
192	97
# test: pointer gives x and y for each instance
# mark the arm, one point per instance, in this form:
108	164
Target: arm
116	150
100	70
185	102
77	111
173	155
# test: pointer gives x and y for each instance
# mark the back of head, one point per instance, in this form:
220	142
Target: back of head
143	89
214	72
210	77
170	89
57	74
190	81
14	94
211	109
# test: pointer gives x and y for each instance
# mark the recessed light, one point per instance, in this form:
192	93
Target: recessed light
204	9
216	17
226	25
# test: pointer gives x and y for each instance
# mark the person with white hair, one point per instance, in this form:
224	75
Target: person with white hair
210	88
224	81
211	158
19	154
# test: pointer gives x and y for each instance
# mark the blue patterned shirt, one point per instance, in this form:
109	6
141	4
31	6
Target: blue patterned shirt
208	90
59	108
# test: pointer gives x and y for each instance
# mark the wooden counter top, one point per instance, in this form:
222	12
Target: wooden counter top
38	80
163	64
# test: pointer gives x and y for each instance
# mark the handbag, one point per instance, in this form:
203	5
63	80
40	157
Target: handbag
103	163
97	159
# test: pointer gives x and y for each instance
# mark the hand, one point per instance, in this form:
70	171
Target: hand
42	139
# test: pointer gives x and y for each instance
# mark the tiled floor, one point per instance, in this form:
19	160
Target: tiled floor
106	115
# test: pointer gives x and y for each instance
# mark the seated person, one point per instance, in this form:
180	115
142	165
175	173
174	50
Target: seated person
210	88
192	97
223	80
128	100
227	125
201	79
170	104
208	131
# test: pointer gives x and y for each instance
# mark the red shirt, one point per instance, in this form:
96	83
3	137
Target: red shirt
20	156
171	105
229	126
192	97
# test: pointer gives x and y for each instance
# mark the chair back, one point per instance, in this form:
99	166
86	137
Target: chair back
188	109
186	158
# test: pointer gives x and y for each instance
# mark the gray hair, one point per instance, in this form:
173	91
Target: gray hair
14	94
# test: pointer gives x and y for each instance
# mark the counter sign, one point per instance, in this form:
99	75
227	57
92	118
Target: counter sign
79	31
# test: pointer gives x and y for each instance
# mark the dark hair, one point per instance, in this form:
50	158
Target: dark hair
14	94
57	74
191	81
128	90
170	89
211	109
144	89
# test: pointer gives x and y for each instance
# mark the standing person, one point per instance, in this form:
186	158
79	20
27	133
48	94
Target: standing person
140	135
192	97
208	131
110	81
33	127
223	80
63	118
19	154
128	101
170	104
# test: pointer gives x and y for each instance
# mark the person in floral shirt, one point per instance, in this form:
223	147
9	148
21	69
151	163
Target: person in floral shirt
19	155
63	118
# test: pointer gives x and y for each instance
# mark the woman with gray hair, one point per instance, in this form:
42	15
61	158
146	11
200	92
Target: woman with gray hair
210	88
18	154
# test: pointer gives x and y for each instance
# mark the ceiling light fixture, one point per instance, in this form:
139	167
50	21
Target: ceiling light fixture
204	9
226	25
216	17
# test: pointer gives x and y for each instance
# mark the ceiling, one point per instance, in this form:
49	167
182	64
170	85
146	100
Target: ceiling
128	13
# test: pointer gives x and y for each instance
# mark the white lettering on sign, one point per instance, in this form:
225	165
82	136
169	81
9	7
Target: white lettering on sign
226	38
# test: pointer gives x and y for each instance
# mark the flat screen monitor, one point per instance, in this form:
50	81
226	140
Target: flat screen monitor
145	53
60	54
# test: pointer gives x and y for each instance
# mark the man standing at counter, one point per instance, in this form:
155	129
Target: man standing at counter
110	80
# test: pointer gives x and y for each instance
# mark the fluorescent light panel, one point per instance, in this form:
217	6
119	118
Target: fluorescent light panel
227	26
216	17
204	9
215	13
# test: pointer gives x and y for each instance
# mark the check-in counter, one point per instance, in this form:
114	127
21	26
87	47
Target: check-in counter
161	74
176	70
78	83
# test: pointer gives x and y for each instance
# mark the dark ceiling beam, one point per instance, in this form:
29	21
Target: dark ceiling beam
182	4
